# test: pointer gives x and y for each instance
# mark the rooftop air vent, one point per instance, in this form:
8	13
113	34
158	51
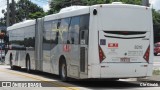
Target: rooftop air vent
117	3
71	8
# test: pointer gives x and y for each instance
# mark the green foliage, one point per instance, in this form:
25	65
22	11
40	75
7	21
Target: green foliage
93	2
156	17
156	72
56	5
156	25
36	15
137	2
24	9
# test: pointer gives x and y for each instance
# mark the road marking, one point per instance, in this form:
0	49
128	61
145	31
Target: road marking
53	83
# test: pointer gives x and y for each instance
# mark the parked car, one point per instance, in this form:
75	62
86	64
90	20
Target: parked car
156	48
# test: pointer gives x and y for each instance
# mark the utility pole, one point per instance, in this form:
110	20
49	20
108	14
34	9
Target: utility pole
13	11
145	3
7	13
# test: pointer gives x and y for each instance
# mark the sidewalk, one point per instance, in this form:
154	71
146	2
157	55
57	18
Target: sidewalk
154	77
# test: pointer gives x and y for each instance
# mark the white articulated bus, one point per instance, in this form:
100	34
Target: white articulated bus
100	41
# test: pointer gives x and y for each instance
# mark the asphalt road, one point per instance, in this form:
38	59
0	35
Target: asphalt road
54	83
156	61
157	58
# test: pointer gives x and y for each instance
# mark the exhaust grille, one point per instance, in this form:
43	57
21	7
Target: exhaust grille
82	59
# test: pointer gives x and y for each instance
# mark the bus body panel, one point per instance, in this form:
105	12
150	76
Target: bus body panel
124	35
110	70
22	43
124	48
123	18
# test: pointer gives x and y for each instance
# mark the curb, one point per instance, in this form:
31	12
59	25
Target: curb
152	78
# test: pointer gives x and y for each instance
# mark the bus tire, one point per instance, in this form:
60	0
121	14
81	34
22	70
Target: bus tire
28	65
155	54
63	70
11	62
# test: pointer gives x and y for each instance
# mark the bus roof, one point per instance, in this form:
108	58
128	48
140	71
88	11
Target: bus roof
21	24
80	10
68	12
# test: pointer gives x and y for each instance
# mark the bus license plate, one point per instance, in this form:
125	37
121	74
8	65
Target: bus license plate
125	59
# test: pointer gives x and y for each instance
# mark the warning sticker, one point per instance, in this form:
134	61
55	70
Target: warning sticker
112	45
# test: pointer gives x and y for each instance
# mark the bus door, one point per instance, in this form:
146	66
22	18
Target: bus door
38	45
83	51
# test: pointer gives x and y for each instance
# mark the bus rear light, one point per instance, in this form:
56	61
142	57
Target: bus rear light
147	53
101	54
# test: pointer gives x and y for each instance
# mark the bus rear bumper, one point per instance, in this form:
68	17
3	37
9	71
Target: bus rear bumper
121	70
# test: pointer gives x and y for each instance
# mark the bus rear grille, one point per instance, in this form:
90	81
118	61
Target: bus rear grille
126	32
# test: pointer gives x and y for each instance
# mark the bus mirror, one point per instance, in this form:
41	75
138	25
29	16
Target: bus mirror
94	12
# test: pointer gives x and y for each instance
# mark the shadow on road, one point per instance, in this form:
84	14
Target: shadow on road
90	84
105	84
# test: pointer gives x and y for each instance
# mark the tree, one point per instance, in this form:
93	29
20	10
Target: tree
36	15
156	25
56	5
24	9
137	2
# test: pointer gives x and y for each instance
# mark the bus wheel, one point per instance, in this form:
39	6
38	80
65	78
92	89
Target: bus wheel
63	71
28	66
11	62
155	54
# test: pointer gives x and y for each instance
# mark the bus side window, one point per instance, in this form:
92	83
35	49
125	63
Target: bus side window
58	24
63	30
56	39
82	35
57	33
84	29
54	33
73	35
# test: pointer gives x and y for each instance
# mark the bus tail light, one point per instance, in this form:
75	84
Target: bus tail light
147	53
101	54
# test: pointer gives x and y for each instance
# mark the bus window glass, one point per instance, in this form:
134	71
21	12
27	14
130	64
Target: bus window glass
63	30
46	36
54	34
29	36
84	22
84	28
74	30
